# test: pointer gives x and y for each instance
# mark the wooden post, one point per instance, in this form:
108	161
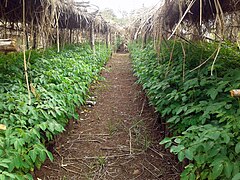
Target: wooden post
115	42
24	53
34	37
70	36
110	37
5	30
107	38
26	39
58	42
144	40
92	40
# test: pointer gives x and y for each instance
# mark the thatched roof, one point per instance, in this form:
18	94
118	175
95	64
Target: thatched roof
70	14
204	9
204	16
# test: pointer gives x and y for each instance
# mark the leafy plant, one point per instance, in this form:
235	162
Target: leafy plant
59	84
202	116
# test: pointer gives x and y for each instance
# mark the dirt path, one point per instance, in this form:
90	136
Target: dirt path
115	139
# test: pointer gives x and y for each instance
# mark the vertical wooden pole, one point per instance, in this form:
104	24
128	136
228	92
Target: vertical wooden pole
24	52
26	38
58	44
107	38
70	36
34	37
110	37
5	29
92	40
115	42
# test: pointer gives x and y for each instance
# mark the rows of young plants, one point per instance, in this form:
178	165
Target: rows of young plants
195	102
59	83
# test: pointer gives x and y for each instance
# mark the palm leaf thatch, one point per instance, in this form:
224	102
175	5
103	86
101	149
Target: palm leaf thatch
191	19
46	19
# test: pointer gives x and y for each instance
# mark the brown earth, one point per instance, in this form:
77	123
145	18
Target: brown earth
118	138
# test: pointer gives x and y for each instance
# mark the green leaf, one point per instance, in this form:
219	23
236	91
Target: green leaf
38	164
43	126
50	156
28	176
3	165
2	177
173	119
166	140
12	176
59	127
11	166
192	176
33	154
216	171
214	135
177	149
226	138
17	161
236	177
18	143
237	148
212	93
178	140
228	168
181	156
42	156
189	154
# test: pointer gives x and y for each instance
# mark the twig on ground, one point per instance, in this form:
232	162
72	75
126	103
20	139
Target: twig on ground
50	168
90	140
150	172
130	141
75	166
113	177
161	155
143	106
113	156
86	131
95	134
80	161
122	164
160	172
57	152
72	171
108	148
115	148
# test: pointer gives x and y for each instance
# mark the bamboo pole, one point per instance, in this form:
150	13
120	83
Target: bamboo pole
107	38
92	41
201	10
180	21
24	53
58	44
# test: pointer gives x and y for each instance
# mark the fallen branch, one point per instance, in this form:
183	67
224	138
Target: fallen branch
90	140
113	156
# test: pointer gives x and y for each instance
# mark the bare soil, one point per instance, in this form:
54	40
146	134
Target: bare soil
118	138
